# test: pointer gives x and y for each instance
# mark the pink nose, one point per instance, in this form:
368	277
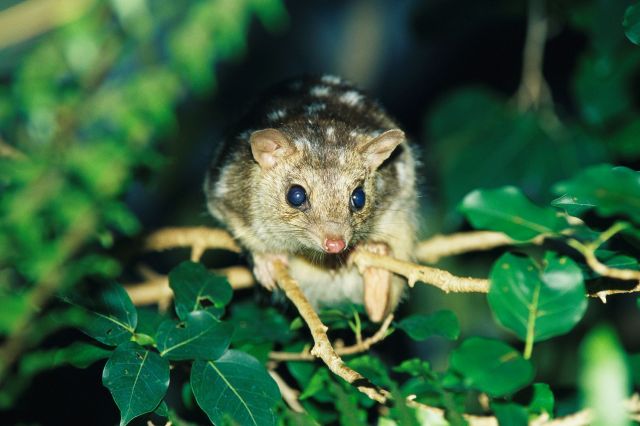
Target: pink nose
334	245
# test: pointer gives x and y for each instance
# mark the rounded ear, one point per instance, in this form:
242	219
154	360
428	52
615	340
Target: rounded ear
378	149
269	146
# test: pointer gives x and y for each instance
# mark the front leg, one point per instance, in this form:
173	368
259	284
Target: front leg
263	268
377	284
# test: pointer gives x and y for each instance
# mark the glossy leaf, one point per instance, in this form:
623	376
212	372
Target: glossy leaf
612	190
441	323
199	336
510	414
113	317
543	400
137	379
491	366
537	301
631	23
195	288
508	210
235	387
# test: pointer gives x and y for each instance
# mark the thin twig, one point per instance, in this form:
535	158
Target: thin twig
156	288
322	347
362	346
533	90
444	280
197	238
439	246
289	394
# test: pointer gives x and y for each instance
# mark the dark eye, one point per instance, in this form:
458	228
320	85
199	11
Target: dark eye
296	196
358	199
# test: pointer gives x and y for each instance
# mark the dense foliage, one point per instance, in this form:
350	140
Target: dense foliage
86	112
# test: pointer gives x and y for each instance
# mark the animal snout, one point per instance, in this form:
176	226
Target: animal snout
334	244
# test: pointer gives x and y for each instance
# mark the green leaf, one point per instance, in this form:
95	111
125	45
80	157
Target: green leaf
519	144
542	400
113	317
510	414
137	379
259	324
316	385
537	302
634	365
346	404
441	323
612	190
631	23
199	336
415	367
491	366
507	210
604	377
78	354
195	288
235	387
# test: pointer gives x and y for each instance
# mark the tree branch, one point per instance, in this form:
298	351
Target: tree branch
362	346
444	280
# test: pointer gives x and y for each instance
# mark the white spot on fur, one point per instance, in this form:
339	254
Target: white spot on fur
315	108
351	98
320	91
331	79
302	143
353	134
330	132
277	115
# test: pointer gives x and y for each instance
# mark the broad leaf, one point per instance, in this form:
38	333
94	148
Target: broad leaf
137	379
415	367
113	317
255	323
441	323
631	23
195	288
235	387
200	336
507	210
612	190
491	366
543	400
510	414
78	354
540	302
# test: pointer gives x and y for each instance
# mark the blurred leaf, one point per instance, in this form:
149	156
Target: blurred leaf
235	387
631	23
137	379
603	377
113	318
195	288
603	86
634	366
14	305
441	323
415	367
537	302
372	368
542	400
199	336
508	210
347	406
78	354
613	190
491	366
258	324
317	384
510	414
470	123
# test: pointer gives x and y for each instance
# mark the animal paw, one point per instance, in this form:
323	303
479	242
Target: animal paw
264	270
377	284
